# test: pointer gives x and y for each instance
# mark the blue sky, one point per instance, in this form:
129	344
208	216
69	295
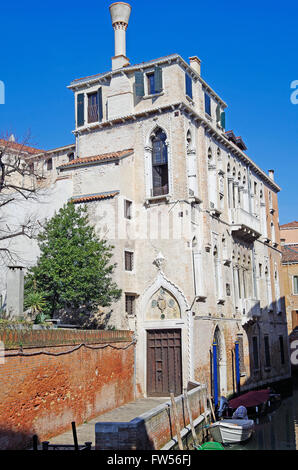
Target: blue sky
248	52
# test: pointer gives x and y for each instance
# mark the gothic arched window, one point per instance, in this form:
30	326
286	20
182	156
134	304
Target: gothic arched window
160	173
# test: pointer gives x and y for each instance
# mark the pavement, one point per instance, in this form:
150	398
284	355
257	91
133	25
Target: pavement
125	413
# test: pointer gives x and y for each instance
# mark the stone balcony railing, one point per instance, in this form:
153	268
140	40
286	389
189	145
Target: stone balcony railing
244	224
251	310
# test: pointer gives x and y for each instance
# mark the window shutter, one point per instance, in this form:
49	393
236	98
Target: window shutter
99	104
158	79
207	104
223	120
80	109
218	114
188	85
139	82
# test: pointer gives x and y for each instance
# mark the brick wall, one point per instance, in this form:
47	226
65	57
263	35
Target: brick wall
154	429
42	394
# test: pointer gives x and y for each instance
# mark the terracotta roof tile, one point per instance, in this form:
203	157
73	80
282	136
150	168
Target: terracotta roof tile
289	254
290	225
19	147
97	158
93	197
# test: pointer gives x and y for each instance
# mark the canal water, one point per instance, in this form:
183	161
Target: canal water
277	430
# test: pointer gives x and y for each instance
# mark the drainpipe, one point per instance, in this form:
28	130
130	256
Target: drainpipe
215	379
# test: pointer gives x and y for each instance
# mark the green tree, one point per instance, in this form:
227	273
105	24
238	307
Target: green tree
74	270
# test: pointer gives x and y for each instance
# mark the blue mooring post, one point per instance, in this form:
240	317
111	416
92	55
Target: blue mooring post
215	374
237	361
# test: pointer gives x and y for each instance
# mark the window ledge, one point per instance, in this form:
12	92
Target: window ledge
153	199
153	95
208	116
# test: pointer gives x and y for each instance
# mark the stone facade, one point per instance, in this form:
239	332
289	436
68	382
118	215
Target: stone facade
205	240
289	240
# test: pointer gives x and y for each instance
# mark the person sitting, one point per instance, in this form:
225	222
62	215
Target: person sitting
240	413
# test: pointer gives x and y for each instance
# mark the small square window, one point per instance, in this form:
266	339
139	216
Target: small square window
127	209
92	107
128	260
151	83
130	304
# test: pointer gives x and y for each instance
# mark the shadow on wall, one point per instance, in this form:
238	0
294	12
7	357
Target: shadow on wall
265	331
12	440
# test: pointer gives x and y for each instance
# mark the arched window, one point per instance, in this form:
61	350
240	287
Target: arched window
160	173
209	154
71	157
49	164
188	140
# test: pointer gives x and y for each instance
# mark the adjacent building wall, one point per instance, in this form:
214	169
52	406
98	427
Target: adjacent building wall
43	393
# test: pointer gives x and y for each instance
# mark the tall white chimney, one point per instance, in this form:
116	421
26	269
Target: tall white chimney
120	13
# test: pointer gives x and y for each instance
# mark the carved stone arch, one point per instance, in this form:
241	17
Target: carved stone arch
153	130
162	283
157	181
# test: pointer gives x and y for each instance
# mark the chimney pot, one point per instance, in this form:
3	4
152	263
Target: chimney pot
271	174
120	13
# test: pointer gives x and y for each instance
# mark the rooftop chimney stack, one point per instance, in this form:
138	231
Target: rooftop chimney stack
120	13
271	174
195	64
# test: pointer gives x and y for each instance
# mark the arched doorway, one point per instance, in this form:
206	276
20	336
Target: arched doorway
164	346
218	366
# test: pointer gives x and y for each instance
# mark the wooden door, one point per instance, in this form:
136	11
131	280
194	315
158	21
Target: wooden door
164	366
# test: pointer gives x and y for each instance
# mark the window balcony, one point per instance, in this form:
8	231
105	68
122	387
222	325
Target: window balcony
160	191
251	311
245	225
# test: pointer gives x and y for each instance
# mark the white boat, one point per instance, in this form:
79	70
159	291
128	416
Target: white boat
230	431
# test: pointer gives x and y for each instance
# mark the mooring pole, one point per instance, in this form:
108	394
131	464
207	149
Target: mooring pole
193	432
215	378
176	419
237	361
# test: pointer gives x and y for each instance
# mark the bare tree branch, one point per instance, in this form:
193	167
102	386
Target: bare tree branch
19	181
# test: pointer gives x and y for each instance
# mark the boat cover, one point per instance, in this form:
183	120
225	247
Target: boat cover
250	399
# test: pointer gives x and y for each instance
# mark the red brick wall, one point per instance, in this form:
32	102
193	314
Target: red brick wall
43	394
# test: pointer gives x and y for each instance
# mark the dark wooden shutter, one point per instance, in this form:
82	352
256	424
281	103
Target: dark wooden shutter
223	120
218	114
158	79
99	103
80	109
207	104
139	83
